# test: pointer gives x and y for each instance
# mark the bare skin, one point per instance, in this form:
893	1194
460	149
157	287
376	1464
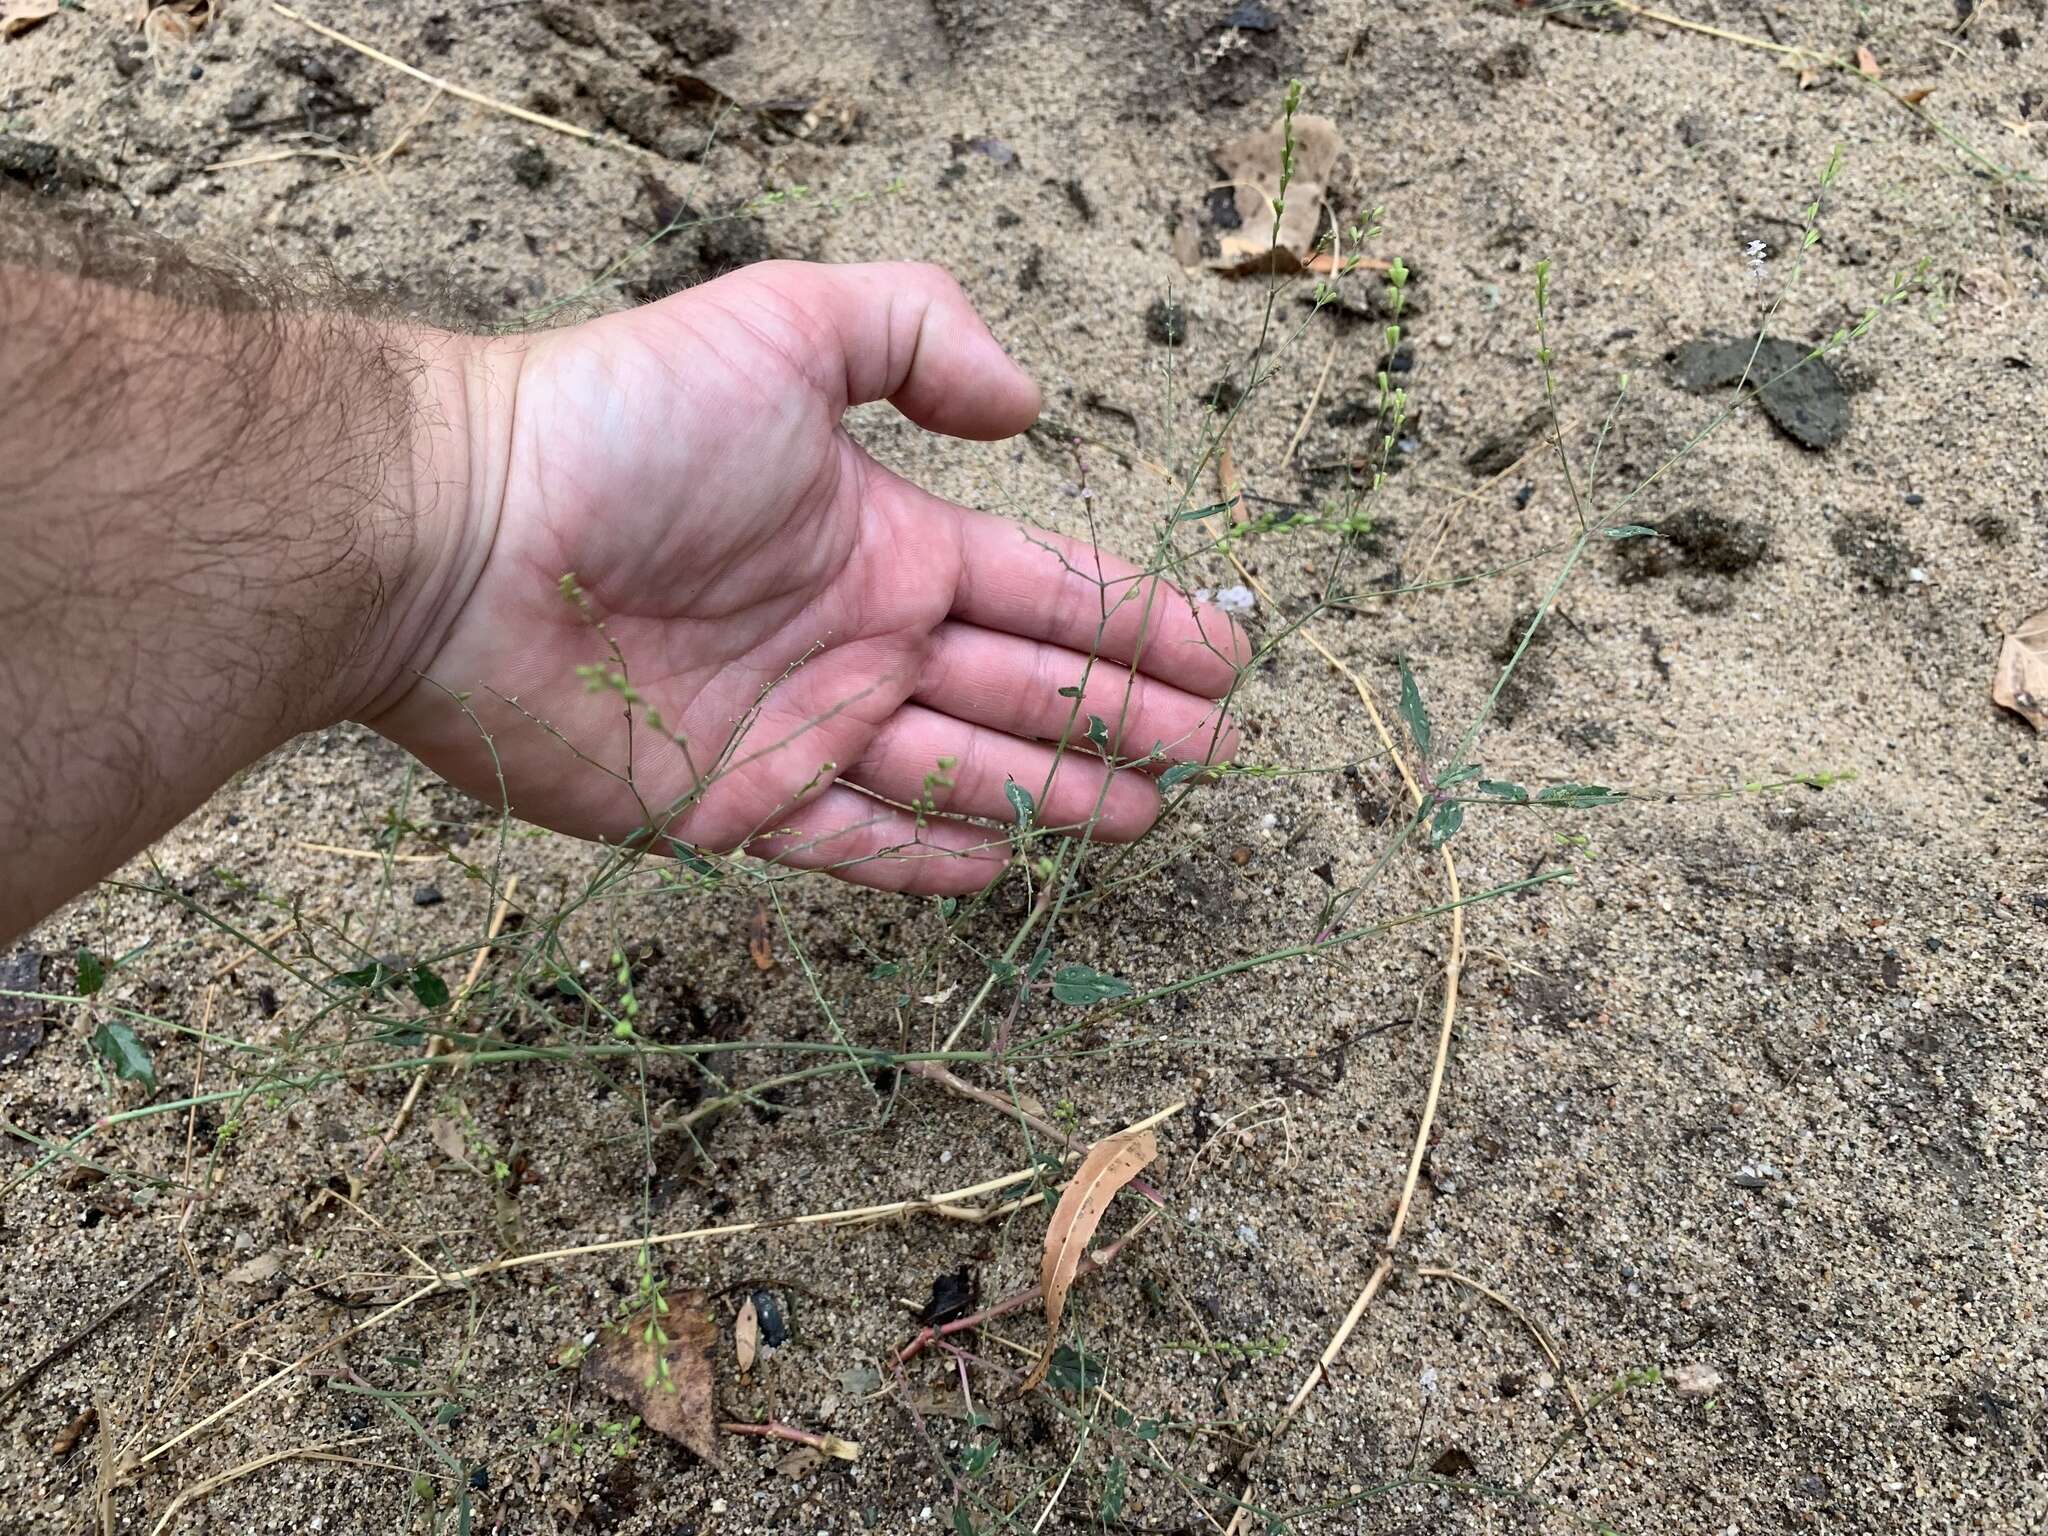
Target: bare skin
256	523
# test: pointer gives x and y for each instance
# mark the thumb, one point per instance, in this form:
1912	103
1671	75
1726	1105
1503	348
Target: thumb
897	331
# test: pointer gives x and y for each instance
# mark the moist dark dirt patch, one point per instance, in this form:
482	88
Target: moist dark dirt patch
1875	548
1697	540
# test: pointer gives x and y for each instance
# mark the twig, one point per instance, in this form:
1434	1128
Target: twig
439	1044
201	1489
21	1382
932	1072
379	854
1016	1301
1536	1330
475	98
775	1429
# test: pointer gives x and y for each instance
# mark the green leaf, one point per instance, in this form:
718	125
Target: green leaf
1020	802
1073	1371
125	1054
978	1457
1180	773
1099	734
949	906
1412	710
1002	969
374	977
430	989
1502	791
1084	986
1071	691
1147	1429
1633	531
963	1523
92	972
1201	512
1039	961
884	969
1457	775
690	858
1444	826
1114	1477
1581	797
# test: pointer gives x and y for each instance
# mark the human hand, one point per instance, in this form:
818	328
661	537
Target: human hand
830	655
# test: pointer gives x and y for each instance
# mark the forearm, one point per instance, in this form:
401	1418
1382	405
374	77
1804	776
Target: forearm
220	511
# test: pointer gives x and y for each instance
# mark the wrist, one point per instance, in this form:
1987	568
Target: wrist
448	487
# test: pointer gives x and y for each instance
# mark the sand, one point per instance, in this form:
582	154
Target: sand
1758	1093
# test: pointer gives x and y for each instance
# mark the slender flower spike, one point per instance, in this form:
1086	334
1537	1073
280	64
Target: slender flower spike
1758	253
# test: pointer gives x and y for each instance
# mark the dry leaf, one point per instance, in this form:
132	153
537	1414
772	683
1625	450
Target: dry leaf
1807	79
746	1336
173	21
447	1136
17	16
1866	62
1918	94
69	1436
623	1366
760	939
800	1461
259	1269
1110	1164
1252	166
1186	241
2020	682
1695	1381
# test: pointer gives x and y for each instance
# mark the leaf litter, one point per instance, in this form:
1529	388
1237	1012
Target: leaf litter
1110	1164
2020	680
1252	166
659	1365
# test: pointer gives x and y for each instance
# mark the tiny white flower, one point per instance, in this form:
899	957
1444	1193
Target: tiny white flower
1758	253
1236	600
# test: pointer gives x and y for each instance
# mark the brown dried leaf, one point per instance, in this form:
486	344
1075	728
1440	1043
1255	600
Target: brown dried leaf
1110	1164
17	16
446	1133
69	1436
1866	62
259	1269
1918	94
175	21
746	1336
2020	681
1252	167
761	939
800	1462
623	1366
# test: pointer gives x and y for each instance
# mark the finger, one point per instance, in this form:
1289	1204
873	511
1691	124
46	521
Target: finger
1045	586
896	331
861	840
908	762
1013	685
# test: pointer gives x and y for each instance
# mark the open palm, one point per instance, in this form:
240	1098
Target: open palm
831	655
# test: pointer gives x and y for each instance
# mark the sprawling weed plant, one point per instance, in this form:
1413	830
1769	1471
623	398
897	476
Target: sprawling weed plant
987	992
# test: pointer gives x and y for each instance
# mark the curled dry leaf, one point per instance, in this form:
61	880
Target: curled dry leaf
626	1365
2020	681
1866	62
259	1269
1252	167
761	939
746	1336
17	16
172	21
1110	1164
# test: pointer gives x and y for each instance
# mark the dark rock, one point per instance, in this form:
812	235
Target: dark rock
427	896
1166	323
436	35
23	1023
532	169
1250	16
42	168
1802	394
129	58
952	1297
1221	212
245	103
768	1312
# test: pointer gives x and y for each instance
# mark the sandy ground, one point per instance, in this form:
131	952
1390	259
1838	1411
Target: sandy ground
1761	1092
